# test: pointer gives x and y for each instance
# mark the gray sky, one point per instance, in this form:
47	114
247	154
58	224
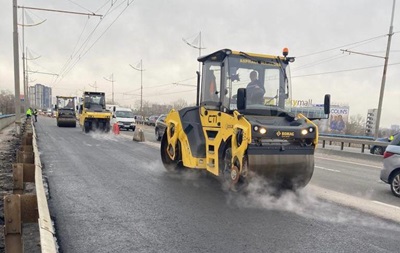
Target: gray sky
153	31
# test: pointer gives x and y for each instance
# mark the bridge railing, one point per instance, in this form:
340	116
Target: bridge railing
6	120
351	141
25	207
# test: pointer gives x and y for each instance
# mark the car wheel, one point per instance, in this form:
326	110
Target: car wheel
378	151
158	135
395	184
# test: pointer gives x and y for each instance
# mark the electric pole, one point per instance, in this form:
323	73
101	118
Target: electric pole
382	91
112	82
141	84
16	70
94	86
195	46
378	117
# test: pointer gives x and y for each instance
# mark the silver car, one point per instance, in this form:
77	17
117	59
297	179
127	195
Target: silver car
390	172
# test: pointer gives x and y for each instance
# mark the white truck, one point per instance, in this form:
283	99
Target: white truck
123	117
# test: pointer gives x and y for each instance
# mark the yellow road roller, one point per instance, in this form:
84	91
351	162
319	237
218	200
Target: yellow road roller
244	123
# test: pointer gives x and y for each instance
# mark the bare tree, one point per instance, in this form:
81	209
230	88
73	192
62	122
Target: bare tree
7	102
179	104
356	125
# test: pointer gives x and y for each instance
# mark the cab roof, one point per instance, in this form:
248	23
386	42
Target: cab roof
221	54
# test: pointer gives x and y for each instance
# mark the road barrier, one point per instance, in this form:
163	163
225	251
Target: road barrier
21	207
6	120
342	140
138	135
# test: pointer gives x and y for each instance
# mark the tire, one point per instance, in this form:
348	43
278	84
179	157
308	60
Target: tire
226	176
395	184
86	127
158	135
169	164
378	151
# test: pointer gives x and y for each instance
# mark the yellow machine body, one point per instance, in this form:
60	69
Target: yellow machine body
93	114
235	138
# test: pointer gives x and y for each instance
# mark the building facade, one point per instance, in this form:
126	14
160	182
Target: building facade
40	96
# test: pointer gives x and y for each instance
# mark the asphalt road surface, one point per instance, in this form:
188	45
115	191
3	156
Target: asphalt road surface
110	194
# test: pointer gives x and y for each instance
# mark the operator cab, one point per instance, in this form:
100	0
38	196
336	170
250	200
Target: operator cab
94	101
253	84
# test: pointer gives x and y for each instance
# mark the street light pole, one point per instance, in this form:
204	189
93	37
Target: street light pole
112	82
196	47
16	69
94	86
141	84
378	117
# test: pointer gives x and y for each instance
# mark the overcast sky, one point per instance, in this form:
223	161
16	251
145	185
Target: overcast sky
83	51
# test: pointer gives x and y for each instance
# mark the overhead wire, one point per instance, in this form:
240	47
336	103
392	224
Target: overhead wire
344	70
80	6
73	54
161	85
339	47
87	50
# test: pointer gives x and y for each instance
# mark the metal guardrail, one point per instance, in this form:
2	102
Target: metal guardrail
348	136
350	141
46	229
6	120
6	115
21	207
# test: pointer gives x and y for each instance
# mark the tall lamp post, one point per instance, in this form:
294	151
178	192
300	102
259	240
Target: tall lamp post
141	83
378	117
16	69
112	82
382	91
196	47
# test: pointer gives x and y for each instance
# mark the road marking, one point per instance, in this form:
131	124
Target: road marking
384	204
152	144
385	211
323	168
373	166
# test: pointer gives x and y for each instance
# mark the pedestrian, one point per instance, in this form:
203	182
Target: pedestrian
28	113
35	114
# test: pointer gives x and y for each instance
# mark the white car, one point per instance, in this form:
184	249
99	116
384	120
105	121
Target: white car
390	172
124	117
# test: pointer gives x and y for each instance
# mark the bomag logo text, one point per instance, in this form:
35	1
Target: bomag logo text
284	134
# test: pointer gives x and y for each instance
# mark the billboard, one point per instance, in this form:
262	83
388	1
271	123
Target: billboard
337	121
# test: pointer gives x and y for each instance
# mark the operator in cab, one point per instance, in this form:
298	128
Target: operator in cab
255	90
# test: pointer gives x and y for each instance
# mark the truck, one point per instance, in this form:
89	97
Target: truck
93	114
243	124
65	111
123	117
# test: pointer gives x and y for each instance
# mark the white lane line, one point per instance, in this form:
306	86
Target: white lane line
155	145
323	168
384	204
362	164
364	205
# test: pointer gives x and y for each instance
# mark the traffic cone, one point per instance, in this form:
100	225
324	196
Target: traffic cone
115	128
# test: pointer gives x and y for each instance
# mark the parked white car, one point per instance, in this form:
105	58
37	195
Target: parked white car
390	172
124	118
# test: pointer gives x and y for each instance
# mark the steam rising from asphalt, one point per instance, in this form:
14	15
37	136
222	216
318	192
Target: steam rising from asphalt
304	203
100	135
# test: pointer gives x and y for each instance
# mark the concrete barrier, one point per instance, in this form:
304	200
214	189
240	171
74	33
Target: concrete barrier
138	135
6	120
